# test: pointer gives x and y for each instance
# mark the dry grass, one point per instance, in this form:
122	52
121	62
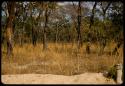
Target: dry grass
58	59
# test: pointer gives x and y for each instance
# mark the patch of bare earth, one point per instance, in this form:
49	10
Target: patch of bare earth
86	78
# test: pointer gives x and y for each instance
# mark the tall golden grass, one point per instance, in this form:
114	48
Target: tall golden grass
58	59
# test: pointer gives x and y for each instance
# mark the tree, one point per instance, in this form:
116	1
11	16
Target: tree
48	7
45	28
102	40
117	21
69	22
36	7
34	23
9	27
79	38
91	22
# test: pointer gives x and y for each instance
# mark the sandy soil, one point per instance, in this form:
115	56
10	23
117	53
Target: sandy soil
86	78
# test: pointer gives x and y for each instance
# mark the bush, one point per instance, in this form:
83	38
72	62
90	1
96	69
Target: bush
112	73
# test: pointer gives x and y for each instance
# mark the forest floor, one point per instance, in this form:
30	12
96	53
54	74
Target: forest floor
59	59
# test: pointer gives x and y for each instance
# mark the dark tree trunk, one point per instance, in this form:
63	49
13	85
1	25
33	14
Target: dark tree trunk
9	30
92	16
56	34
89	35
79	38
88	48
69	36
44	41
44	30
34	37
20	39
35	27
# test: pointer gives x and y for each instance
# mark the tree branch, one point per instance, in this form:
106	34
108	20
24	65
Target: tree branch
92	16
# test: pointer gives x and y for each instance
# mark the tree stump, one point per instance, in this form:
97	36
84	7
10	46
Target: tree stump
119	73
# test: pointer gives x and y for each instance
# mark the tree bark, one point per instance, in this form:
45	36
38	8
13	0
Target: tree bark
44	30
91	22
34	38
79	38
9	28
56	34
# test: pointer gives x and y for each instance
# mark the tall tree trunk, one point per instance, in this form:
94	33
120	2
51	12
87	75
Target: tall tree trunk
34	32
103	40
35	24
91	22
34	38
69	36
78	28
44	30
20	39
56	34
9	28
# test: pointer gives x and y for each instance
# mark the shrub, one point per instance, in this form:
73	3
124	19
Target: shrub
112	73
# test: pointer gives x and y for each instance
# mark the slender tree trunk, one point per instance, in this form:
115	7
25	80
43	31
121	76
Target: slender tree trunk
44	30
88	48
103	40
91	22
102	46
9	30
44	41
20	39
36	24
33	34
22	36
56	34
69	36
78	28
33	37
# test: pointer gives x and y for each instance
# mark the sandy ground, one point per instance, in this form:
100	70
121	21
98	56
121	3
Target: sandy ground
86	78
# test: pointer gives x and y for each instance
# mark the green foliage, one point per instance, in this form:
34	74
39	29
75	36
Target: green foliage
112	73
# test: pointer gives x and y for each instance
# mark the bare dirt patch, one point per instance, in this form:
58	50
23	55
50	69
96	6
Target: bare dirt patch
86	78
